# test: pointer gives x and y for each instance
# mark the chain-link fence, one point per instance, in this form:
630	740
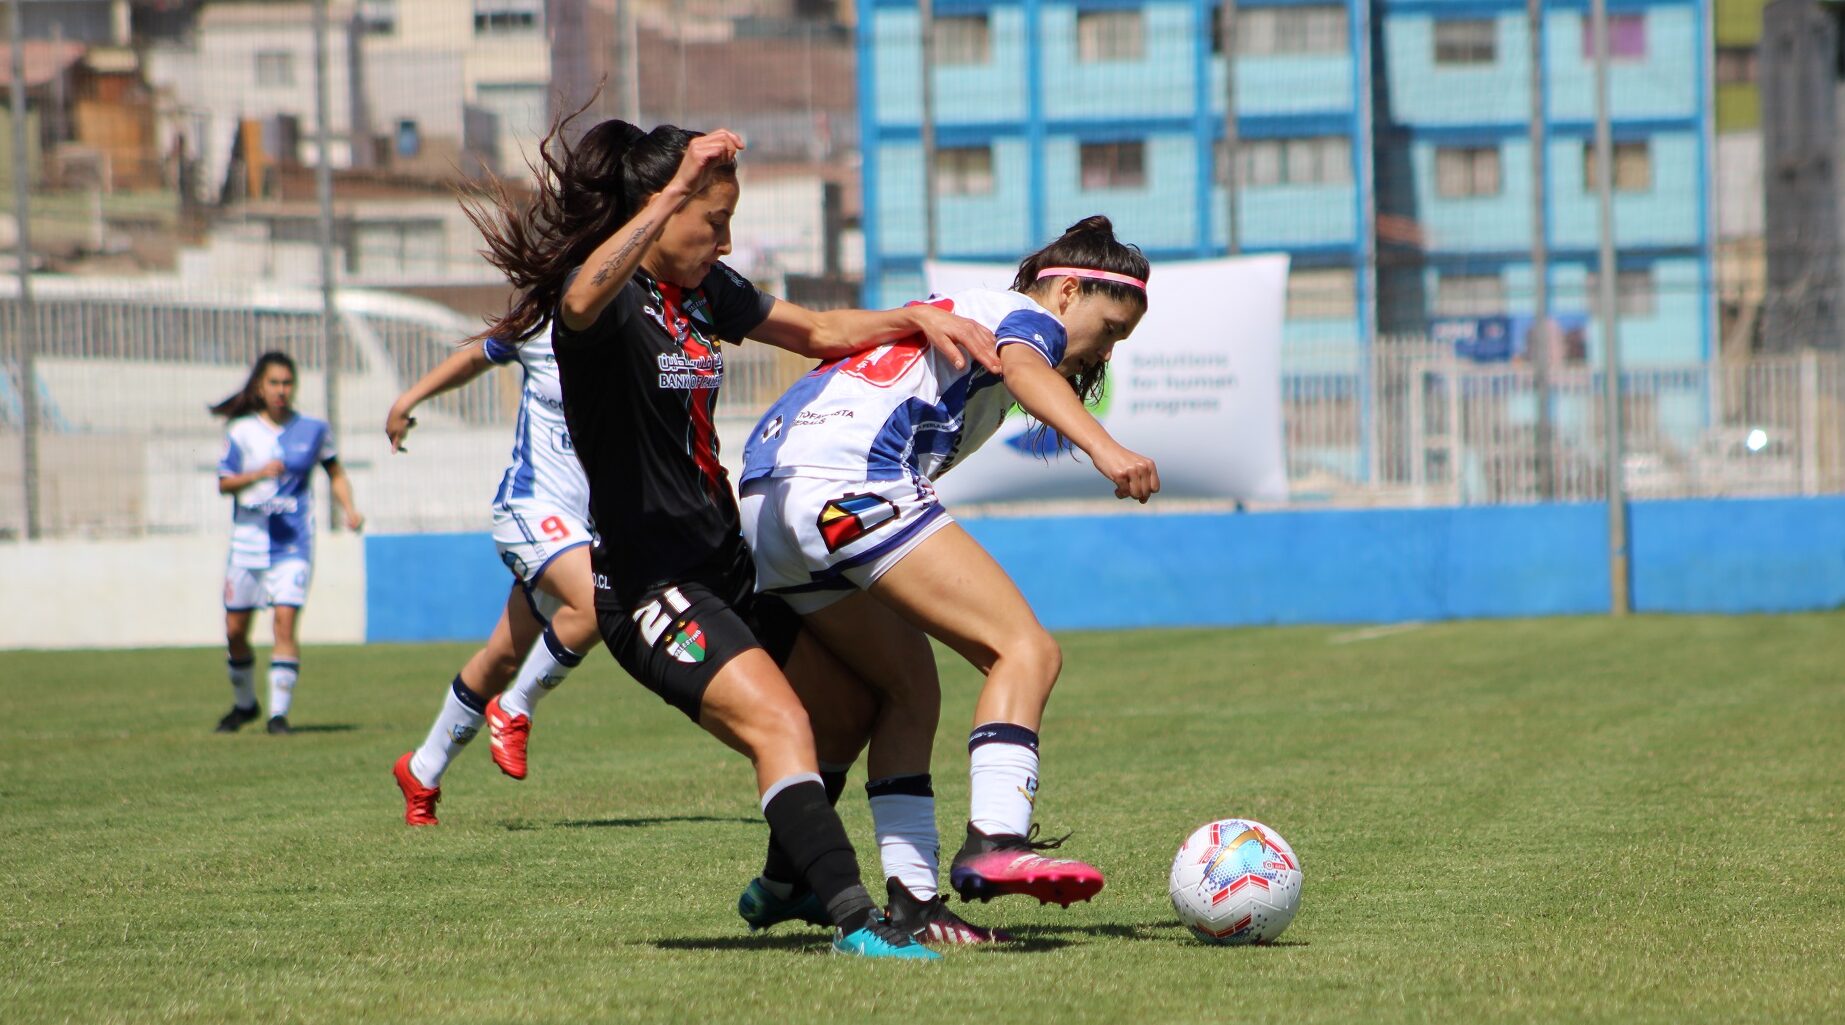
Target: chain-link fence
1432	174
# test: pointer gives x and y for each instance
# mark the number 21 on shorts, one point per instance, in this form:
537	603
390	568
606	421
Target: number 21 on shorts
654	617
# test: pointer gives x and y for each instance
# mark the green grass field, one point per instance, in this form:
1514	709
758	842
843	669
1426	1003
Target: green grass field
1545	821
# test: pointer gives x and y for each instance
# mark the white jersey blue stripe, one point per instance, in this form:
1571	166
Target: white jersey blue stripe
900	410
273	519
544	469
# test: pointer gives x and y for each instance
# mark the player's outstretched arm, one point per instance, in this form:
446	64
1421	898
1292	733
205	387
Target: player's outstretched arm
612	263
463	365
341	485
835	333
1044	393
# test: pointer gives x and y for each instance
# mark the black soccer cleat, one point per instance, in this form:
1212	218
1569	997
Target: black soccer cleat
235	718
930	921
278	725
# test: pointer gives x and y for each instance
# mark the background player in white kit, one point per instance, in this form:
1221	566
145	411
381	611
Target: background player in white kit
541	528
270	453
837	499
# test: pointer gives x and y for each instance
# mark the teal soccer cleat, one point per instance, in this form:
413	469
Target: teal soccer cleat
761	908
878	938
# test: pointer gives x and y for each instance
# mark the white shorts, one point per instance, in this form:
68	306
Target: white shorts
282	583
816	540
530	536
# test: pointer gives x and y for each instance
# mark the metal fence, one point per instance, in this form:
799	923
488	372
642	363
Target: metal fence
169	163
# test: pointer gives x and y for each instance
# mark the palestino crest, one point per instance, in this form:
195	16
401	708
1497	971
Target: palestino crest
688	643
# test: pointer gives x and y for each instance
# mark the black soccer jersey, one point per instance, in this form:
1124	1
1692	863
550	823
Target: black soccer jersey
639	388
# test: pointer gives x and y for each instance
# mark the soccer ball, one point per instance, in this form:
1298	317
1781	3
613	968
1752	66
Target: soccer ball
1235	881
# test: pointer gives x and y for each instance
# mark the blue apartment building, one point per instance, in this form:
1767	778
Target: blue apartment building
1454	161
1050	110
1394	129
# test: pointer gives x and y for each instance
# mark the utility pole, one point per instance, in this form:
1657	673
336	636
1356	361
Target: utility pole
1621	602
332	351
1538	341
1233	170
27	318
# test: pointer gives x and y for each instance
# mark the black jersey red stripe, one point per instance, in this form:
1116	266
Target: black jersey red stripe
640	387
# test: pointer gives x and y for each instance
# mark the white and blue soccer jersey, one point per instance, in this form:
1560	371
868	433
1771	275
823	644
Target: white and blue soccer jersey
900	410
544	472
273	519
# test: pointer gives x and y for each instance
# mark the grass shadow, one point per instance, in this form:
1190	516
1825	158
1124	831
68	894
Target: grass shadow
790	941
633	823
1106	930
327	727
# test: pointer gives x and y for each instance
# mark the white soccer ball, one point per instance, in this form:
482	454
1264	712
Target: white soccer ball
1236	881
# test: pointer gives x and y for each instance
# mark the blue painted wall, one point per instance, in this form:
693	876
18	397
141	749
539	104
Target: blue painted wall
1357	566
432	587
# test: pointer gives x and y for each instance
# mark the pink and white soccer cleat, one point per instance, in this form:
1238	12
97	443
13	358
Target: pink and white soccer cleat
995	866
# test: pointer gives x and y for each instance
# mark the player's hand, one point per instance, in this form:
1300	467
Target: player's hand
271	469
1133	474
397	427
354	521
954	336
703	156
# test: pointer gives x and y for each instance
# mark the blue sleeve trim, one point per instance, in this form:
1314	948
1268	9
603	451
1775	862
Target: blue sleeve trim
1039	330
499	353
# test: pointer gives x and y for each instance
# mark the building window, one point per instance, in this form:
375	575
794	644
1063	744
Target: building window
1324	293
496	17
963	39
275	68
1735	65
1313	28
1469	295
1114	165
1466	41
1312	160
1626	37
1634	293
1109	36
964	171
408	139
1633	166
377	17
1466	171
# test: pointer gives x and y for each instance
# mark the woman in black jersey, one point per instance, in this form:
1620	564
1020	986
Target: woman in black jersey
617	252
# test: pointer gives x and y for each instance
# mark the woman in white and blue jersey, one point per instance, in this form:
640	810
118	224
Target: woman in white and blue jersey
843	520
542	530
270	452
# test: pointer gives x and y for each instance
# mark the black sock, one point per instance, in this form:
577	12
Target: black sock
808	831
775	866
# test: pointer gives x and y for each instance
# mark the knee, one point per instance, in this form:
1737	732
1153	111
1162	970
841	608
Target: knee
1037	654
779	727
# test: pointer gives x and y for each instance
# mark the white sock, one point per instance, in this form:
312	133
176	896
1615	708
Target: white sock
903	814
1002	778
545	667
282	675
456	724
243	681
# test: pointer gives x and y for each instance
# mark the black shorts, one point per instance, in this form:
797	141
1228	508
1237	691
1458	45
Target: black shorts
678	634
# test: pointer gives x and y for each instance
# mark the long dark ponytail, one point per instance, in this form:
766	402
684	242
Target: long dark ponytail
249	399
1091	244
583	193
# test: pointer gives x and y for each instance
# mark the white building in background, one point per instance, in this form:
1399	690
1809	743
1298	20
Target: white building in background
250	61
504	63
416	86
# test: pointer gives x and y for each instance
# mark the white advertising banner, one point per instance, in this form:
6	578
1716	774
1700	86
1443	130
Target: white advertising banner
1196	388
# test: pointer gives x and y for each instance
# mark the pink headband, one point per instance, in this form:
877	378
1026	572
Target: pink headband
1098	275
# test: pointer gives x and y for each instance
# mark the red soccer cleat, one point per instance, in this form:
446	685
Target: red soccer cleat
419	800
506	737
996	866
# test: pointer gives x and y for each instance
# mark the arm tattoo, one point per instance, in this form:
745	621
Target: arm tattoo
620	256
